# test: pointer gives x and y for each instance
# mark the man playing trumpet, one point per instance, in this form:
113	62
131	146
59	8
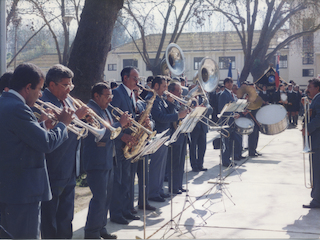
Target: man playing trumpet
98	164
63	163
313	128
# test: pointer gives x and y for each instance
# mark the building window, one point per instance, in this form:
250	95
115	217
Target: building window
283	61
196	62
224	62
112	67
130	63
151	63
307	72
307	58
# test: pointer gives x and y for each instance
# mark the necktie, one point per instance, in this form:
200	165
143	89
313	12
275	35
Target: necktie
109	118
132	104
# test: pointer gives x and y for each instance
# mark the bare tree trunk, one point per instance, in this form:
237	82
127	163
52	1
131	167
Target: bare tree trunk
92	43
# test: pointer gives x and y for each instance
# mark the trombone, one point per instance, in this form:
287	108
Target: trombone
97	119
136	126
307	140
78	127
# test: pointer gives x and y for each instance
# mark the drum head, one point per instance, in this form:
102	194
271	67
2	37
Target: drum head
244	122
271	114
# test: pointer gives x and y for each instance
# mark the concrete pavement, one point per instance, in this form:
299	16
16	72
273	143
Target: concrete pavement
261	197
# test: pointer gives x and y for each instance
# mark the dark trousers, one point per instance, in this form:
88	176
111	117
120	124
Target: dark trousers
121	187
237	145
253	140
315	192
21	221
57	214
156	171
134	167
143	163
226	147
100	183
198	146
176	154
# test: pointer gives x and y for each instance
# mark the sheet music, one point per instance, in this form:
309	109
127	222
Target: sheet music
152	146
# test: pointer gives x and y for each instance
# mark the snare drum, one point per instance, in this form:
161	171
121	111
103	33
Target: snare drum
273	119
244	126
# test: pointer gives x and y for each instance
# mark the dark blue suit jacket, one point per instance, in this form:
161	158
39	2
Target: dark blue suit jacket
62	162
122	101
23	142
98	155
162	113
202	127
224	98
314	124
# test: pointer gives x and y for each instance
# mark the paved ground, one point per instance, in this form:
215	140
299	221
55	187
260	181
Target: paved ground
261	198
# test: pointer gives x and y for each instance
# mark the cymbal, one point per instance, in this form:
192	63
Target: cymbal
256	104
250	91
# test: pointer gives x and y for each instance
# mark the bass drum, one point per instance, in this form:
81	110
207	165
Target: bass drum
244	126
273	119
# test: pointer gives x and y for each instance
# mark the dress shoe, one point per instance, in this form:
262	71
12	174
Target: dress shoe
133	211
311	205
91	237
203	169
130	216
107	235
176	191
157	199
195	170
119	220
148	207
164	195
183	190
255	154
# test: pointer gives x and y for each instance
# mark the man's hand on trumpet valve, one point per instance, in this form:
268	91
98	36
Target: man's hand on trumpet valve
125	120
169	98
82	112
65	116
47	121
128	140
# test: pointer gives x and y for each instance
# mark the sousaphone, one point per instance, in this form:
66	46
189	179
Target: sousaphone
174	60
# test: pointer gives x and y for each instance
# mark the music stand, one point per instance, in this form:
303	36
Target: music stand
188	126
149	148
229	108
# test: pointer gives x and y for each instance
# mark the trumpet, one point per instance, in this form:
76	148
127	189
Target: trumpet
136	126
81	132
307	140
78	127
97	119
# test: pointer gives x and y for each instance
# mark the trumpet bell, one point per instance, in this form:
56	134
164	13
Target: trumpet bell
175	59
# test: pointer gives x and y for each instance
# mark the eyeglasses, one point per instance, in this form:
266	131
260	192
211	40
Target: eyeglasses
67	86
108	95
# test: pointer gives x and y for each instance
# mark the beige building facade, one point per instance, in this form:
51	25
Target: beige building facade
222	47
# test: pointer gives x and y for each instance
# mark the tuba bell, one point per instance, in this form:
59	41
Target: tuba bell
174	60
207	79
